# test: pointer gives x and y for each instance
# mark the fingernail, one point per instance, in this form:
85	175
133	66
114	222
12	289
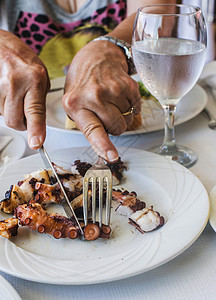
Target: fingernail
112	156
34	142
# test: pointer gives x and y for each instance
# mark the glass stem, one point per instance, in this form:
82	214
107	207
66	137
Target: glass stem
169	143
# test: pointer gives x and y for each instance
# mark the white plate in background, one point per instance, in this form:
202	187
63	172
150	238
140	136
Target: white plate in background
173	191
7	292
15	149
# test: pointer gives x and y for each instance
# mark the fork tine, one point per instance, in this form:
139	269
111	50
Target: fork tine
100	177
85	200
101	185
108	199
94	199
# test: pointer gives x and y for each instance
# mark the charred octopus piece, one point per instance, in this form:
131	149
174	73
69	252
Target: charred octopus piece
146	220
34	217
46	193
116	168
41	186
24	190
8	227
129	203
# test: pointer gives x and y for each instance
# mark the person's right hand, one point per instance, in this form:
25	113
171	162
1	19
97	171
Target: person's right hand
24	84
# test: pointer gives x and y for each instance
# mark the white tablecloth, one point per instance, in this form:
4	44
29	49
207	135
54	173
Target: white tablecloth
192	275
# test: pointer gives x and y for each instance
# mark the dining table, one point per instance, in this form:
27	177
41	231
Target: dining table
190	275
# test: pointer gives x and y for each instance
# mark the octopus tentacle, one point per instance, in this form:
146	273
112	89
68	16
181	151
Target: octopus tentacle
36	218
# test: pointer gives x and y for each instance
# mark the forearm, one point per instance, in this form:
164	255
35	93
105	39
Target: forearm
125	29
24	83
133	5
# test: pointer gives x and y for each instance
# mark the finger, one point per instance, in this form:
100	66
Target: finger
95	133
13	112
134	96
124	95
112	119
35	113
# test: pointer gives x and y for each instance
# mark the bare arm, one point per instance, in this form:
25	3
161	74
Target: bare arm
23	86
98	89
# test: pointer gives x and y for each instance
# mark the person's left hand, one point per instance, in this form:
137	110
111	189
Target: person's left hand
97	91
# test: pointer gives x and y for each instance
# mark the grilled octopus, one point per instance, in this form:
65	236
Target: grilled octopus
41	185
128	202
36	218
8	227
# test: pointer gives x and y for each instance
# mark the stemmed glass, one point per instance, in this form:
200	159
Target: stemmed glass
168	49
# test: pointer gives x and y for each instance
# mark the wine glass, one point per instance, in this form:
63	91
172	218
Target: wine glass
168	49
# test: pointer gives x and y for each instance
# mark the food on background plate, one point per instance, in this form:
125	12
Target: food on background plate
29	199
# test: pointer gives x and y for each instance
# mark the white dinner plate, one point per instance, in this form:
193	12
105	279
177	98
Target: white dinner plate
7	292
173	190
153	119
15	149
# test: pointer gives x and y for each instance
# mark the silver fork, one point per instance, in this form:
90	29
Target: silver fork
99	174
212	119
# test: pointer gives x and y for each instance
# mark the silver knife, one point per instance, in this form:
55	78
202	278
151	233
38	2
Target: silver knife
65	202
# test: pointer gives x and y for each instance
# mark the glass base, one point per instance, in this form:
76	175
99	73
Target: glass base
181	154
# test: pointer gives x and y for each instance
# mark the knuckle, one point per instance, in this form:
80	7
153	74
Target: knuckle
38	74
116	87
70	102
13	123
7	83
133	84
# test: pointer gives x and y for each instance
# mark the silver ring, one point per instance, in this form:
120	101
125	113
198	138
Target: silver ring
132	110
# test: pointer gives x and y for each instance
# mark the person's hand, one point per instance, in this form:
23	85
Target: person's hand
97	91
24	84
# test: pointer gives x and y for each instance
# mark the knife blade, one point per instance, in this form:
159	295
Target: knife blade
65	202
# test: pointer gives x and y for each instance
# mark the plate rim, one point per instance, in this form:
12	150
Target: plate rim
62	282
8	131
8	286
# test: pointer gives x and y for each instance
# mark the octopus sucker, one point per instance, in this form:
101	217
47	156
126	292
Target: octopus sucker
41	229
92	231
